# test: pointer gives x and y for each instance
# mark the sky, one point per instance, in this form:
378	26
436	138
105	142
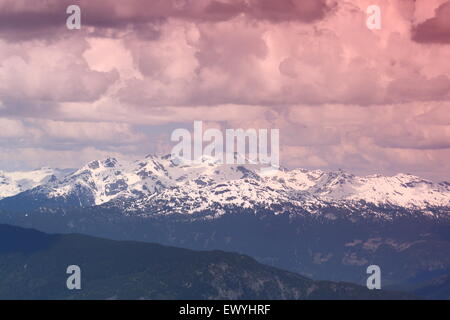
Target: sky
343	96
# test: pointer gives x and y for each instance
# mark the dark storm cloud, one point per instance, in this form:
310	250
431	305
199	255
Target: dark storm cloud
21	19
287	10
436	29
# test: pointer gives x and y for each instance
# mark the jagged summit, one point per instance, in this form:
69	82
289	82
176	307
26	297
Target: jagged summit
12	183
163	185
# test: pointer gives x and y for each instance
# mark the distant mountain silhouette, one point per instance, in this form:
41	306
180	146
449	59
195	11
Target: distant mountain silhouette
33	266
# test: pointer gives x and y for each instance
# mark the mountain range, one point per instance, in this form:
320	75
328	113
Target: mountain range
12	183
324	225
33	266
159	185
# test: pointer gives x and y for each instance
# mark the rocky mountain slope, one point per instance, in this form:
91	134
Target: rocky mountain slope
158	185
12	183
325	225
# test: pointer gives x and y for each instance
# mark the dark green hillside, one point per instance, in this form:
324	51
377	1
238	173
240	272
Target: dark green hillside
33	266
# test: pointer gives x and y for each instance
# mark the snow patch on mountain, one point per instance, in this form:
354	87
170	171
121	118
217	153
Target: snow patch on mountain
12	183
159	184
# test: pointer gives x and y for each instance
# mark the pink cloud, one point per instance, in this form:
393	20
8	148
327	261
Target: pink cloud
342	95
436	29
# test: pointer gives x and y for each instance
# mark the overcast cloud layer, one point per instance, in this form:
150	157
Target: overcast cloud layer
343	96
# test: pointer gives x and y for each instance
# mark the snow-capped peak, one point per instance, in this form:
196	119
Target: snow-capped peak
12	183
206	184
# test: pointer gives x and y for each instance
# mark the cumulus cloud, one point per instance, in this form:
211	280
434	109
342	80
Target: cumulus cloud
34	77
335	60
21	20
343	96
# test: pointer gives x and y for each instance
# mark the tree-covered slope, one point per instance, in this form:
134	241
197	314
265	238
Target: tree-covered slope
33	266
